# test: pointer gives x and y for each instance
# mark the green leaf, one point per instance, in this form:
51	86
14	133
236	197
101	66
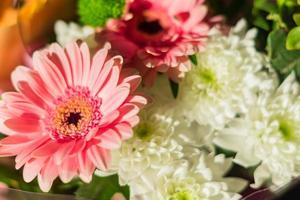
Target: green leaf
265	5
174	88
102	188
287	3
278	22
261	22
97	12
282	60
293	39
296	18
193	59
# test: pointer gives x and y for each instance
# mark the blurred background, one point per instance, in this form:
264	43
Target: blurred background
27	25
24	26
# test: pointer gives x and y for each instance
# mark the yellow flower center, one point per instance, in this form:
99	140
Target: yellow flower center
75	114
72	116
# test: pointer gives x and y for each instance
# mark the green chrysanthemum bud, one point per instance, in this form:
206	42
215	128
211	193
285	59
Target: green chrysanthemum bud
97	12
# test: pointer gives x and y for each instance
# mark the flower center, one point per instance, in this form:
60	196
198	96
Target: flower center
150	27
205	81
74	118
75	114
286	128
207	76
182	190
182	195
144	130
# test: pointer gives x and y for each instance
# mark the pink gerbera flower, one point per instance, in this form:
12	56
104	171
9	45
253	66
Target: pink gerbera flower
160	34
69	111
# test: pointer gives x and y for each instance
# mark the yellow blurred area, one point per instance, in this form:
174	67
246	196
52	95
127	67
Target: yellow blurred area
37	17
31	24
11	47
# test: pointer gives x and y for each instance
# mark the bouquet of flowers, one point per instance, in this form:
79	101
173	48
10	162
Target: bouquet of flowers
148	99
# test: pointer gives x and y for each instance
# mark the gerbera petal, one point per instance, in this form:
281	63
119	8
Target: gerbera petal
86	167
68	170
110	139
32	168
24	88
138	100
14	139
97	65
109	79
127	111
23	124
134	81
49	72
24	74
24	155
78	147
115	99
109	118
12	97
125	130
47	175
86	63
196	15
59	57
26	110
75	60
99	157
62	152
47	149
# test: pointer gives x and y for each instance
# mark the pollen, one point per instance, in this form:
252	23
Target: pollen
75	114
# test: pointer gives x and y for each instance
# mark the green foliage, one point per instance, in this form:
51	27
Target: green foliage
282	60
14	179
193	59
293	39
174	88
296	18
262	8
96	12
102	188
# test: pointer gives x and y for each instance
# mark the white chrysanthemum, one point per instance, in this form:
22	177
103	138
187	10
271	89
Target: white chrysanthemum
159	140
151	147
201	179
269	135
68	32
225	79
